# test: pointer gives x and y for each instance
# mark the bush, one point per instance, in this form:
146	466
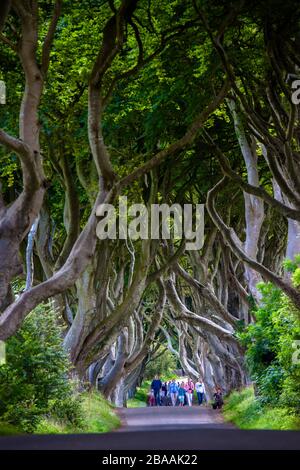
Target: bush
36	393
68	410
35	379
97	416
248	412
269	349
8	429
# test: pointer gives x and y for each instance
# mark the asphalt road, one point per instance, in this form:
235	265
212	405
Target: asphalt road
169	418
163	428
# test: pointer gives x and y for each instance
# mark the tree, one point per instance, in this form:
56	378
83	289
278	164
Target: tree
35	379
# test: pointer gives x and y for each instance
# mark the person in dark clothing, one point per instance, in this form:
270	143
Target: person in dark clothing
164	389
218	403
156	387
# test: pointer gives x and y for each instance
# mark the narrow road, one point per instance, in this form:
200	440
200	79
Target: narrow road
163	428
167	417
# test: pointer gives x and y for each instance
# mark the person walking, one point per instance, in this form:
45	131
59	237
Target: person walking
151	398
163	394
169	401
156	387
164	389
181	394
189	388
200	390
173	388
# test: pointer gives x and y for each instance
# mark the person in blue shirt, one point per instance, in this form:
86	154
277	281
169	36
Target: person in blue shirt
156	387
181	394
173	389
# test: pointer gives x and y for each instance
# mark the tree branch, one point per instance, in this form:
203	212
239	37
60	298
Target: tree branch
285	210
79	258
231	238
50	36
187	139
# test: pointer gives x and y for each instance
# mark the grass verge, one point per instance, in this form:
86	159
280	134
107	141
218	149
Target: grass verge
246	412
98	417
7	429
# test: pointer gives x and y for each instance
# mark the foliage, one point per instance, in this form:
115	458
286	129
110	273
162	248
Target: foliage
36	393
7	429
270	350
164	364
35	381
140	397
247	412
143	390
98	416
135	403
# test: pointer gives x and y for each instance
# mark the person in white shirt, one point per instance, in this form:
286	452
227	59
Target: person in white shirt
200	390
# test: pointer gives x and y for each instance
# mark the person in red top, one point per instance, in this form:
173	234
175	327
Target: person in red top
189	388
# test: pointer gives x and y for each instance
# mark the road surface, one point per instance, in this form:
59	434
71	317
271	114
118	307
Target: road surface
163	428
169	418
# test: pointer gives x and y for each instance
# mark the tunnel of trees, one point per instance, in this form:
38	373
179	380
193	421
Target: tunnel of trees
175	102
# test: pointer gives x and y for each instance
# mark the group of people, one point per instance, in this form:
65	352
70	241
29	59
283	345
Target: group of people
175	393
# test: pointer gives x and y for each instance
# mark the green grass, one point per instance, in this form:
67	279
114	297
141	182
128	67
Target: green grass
98	417
140	398
143	390
51	426
134	403
7	429
245	411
